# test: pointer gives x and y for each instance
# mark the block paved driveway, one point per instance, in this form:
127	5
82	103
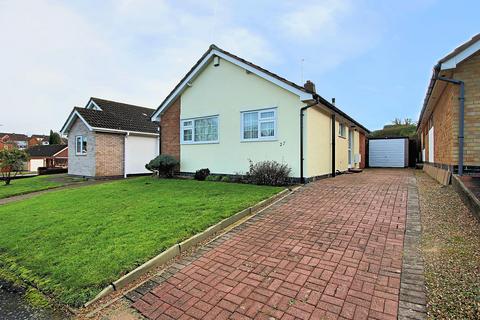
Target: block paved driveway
333	249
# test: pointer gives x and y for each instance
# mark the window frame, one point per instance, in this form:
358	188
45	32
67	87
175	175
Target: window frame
192	127
259	122
342	133
82	139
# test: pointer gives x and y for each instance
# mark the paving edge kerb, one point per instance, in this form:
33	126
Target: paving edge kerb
177	249
413	301
467	196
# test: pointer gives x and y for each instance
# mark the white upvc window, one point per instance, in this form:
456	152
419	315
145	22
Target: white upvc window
199	130
80	145
342	132
259	125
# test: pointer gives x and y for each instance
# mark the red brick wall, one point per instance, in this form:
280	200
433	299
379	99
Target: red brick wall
63	154
170	126
363	154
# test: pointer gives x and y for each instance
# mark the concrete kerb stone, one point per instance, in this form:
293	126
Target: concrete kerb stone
100	295
177	249
467	196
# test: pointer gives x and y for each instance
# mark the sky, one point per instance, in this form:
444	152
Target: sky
374	57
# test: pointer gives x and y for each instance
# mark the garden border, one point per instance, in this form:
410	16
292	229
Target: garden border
177	249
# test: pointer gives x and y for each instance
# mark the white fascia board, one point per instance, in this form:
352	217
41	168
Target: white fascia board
453	61
124	131
92	105
69	122
302	95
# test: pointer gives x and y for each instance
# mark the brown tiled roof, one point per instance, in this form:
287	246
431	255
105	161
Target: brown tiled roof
14	136
45	151
274	75
119	116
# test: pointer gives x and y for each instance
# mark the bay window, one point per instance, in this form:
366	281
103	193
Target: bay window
259	125
199	130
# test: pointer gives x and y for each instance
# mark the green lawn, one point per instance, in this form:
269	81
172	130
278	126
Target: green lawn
72	243
27	185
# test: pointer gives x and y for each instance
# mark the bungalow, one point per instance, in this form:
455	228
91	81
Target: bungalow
448	128
50	156
227	111
110	139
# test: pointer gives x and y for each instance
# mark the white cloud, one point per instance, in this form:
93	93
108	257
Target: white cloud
60	53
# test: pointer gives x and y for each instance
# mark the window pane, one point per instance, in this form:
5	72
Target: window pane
78	144
206	129
250	125
267	129
267	115
84	145
187	135
187	123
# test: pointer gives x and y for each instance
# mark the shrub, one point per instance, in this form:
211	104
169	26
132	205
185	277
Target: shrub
269	173
202	174
211	178
225	179
163	164
11	162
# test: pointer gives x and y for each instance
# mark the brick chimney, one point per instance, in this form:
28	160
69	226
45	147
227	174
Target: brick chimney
309	86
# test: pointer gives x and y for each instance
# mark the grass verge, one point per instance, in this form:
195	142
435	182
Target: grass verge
451	249
72	243
27	185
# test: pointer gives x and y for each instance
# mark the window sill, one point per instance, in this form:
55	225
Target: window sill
194	143
81	154
259	140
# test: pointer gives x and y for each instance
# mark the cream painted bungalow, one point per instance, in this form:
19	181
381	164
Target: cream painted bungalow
110	139
227	111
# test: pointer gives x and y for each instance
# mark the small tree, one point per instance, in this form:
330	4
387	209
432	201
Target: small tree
54	138
163	164
11	162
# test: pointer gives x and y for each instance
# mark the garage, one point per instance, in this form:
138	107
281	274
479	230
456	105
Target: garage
388	152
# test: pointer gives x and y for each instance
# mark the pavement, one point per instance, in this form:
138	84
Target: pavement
331	250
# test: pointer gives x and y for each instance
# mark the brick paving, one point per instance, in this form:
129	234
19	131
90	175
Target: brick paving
331	250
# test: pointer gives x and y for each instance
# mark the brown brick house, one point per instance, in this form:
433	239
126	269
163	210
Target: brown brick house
110	139
440	124
50	156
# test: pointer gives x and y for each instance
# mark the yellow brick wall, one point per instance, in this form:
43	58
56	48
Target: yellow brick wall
109	155
469	71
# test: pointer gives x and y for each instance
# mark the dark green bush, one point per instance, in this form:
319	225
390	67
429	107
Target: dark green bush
225	179
163	164
269	173
202	174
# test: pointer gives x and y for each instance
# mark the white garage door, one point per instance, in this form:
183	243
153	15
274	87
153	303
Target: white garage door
138	152
390	153
35	163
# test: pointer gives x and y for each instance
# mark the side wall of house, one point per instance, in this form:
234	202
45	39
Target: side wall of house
170	130
81	165
109	154
318	146
362	150
445	118
226	91
469	71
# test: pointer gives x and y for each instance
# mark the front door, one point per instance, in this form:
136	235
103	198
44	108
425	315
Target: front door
350	148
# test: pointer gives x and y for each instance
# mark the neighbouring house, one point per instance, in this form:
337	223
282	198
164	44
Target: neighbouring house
227	111
38	139
449	124
49	156
14	140
110	139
